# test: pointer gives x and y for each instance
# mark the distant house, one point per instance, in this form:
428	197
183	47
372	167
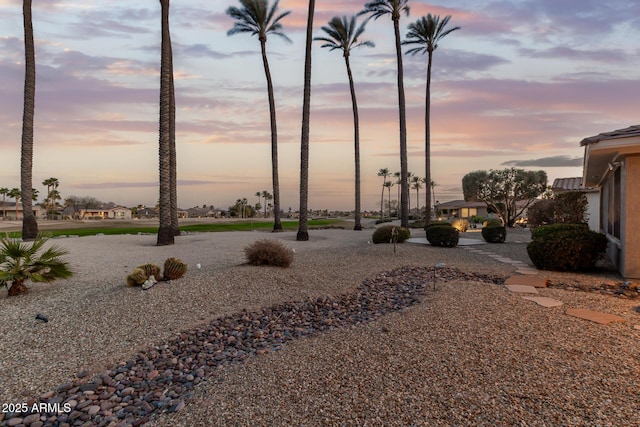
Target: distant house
563	185
612	164
146	213
114	212
460	209
197	212
9	208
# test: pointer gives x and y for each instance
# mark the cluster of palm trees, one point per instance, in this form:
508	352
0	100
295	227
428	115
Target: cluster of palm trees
260	18
267	197
415	183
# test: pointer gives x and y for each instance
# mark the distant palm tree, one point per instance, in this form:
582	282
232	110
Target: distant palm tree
303	232
426	32
166	233
396	8
384	173
397	175
416	184
258	19
52	184
343	34
388	185
4	191
29	223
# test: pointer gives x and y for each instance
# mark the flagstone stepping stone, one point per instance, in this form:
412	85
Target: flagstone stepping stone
527	271
545	301
594	316
527	280
522	289
636	327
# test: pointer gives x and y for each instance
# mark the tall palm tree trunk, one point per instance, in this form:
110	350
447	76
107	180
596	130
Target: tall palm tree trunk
382	198
404	190
427	141
29	223
173	163
303	233
277	225
356	145
165	232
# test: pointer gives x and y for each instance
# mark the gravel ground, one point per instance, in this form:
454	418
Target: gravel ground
469	353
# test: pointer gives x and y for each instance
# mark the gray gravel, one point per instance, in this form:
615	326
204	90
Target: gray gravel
468	354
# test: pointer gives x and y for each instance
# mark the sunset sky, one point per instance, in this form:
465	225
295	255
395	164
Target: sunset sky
520	85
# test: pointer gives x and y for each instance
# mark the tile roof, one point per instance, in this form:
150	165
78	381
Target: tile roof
620	133
569	184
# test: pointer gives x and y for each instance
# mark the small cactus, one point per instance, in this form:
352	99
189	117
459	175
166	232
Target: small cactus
150	270
174	269
137	277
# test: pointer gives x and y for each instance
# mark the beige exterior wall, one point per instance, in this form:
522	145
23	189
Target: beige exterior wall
630	218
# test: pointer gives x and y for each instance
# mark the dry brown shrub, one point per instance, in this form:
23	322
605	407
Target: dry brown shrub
269	252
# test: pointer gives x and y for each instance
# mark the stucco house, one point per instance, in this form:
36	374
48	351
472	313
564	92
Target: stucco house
612	164
461	209
114	212
563	185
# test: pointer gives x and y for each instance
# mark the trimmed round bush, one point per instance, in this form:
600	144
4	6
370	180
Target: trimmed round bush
566	247
384	234
437	223
443	235
494	234
492	222
268	252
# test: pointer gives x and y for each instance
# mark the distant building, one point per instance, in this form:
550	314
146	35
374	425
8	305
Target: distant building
116	212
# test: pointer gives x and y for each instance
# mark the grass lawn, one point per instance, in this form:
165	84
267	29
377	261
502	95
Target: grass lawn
115	227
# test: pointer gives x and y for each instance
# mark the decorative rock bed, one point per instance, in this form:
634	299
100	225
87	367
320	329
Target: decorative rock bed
160	379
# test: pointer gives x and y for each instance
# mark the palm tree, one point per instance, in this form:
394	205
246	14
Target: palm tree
15	194
29	223
258	19
384	173
20	262
4	191
166	232
426	32
388	185
264	195
52	184
417	185
303	233
343	34
395	8
397	175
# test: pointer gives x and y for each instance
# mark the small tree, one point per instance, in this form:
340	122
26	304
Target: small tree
20	262
509	192
569	207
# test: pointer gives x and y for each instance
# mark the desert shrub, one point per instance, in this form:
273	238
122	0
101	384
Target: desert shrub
384	234
541	213
443	235
492	222
494	234
543	231
566	247
174	269
460	224
269	252
437	223
565	208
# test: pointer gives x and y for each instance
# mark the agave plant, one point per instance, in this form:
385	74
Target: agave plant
20	262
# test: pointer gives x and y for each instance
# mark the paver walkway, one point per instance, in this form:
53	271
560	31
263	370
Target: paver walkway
526	281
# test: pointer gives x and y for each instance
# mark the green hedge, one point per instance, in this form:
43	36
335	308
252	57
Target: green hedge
565	247
442	235
494	234
436	223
